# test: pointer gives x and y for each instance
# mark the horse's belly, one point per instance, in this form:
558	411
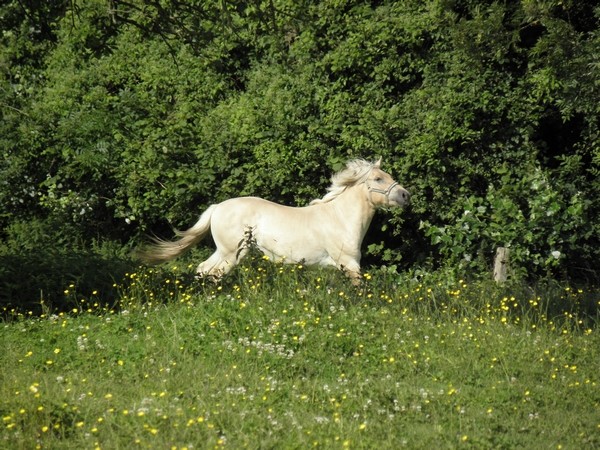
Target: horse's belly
286	252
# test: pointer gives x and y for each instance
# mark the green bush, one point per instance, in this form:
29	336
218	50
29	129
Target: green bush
541	228
133	119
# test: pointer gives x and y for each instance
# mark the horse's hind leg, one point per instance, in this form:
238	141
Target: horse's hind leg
225	257
216	266
213	268
205	267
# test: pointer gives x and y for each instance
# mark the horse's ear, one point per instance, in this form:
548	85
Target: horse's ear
378	163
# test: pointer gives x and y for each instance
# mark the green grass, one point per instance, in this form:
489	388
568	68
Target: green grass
284	357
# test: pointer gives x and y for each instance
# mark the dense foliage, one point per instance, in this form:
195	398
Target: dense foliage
124	117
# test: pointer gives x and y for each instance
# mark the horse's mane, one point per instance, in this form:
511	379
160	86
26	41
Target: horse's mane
356	171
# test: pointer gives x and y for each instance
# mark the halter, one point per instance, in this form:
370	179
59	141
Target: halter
381	191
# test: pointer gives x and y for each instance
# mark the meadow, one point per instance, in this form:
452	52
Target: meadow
290	357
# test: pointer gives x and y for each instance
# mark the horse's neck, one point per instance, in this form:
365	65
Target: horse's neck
354	209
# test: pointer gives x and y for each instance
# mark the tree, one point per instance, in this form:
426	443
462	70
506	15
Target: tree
121	117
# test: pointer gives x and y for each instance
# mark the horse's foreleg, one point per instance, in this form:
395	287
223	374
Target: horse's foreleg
352	271
355	278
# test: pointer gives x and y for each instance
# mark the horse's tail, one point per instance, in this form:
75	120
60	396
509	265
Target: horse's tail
162	250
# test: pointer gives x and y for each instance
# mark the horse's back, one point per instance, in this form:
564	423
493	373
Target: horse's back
256	206
261	214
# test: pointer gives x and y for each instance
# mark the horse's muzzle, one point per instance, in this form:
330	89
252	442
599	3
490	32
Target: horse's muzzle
399	196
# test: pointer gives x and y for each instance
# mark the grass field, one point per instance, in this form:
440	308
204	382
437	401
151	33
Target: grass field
285	357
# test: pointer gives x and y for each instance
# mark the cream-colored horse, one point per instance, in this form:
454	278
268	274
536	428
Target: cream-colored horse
328	232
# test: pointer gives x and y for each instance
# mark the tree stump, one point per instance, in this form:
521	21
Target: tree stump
501	264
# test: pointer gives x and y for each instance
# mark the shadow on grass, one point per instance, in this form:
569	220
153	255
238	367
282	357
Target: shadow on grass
33	282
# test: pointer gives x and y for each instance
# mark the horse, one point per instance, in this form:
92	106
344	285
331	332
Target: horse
327	232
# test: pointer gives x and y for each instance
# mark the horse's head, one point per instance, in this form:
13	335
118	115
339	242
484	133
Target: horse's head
383	190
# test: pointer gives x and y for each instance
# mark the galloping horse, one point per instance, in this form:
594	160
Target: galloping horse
328	232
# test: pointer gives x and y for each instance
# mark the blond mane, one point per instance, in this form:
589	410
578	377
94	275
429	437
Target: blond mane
356	172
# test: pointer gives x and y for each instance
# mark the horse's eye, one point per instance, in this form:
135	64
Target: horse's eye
379	179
